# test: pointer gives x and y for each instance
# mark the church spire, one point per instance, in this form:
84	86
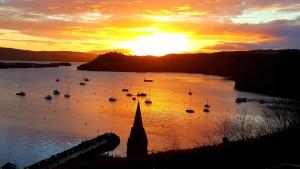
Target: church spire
137	142
138	121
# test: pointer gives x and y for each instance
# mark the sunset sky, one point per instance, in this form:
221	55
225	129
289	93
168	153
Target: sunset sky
150	26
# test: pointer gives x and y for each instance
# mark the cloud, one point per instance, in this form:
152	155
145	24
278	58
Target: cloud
211	24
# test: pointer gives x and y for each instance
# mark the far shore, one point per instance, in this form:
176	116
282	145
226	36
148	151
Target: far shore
7	65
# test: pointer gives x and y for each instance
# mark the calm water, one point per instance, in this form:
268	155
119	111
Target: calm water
32	128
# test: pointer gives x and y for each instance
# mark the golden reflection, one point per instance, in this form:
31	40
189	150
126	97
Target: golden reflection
88	112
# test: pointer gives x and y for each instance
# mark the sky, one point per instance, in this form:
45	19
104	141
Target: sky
154	27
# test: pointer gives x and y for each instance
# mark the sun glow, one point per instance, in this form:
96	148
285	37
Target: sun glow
158	44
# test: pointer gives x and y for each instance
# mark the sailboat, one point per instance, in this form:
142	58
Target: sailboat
48	97
148	101
82	83
56	92
112	99
190	92
125	90
86	79
206	105
129	95
190	110
67	95
21	93
206	110
141	94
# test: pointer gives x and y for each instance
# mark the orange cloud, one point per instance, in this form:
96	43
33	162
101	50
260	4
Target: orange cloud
88	25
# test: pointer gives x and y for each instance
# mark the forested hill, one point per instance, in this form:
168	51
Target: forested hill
273	72
27	55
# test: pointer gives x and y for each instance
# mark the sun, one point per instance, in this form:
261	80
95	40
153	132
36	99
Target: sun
158	44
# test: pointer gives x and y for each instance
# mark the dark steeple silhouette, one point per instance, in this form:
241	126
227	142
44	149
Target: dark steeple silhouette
137	142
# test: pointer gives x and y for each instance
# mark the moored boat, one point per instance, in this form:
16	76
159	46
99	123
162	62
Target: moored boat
48	97
56	92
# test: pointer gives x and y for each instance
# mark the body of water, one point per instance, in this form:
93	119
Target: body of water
32	129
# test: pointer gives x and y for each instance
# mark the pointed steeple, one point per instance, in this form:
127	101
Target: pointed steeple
137	142
138	121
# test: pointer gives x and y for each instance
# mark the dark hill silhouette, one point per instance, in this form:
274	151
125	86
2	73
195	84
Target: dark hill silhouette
273	72
27	55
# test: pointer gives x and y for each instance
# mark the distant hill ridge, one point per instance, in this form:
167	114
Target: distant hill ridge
27	55
273	72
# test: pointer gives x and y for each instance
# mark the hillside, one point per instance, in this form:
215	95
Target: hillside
26	55
272	72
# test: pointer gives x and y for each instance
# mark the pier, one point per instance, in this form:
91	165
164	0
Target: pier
98	145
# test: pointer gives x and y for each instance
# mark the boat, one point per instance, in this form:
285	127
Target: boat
86	79
56	92
206	105
148	80
129	94
190	92
67	95
142	94
125	90
48	97
148	101
82	83
241	100
57	80
21	93
190	110
112	99
206	110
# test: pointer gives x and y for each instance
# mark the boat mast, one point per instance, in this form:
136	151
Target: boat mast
68	87
190	102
